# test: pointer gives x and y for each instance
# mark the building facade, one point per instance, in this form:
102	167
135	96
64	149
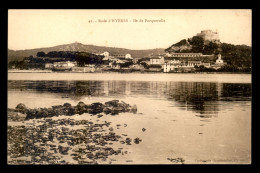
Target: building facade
122	56
89	69
219	63
66	64
48	65
157	60
128	56
106	54
177	67
171	67
182	66
61	65
209	35
193	63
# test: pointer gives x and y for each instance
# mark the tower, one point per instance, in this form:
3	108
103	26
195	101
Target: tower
219	60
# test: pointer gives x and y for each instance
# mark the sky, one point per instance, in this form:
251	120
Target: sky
28	29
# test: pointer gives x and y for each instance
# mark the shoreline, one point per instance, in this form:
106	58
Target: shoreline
148	77
123	72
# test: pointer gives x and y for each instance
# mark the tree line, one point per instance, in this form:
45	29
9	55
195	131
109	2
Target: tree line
41	58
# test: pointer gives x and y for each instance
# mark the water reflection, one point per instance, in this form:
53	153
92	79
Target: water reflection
201	97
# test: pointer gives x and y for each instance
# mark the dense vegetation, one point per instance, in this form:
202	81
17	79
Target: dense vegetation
198	46
81	58
154	66
237	57
126	64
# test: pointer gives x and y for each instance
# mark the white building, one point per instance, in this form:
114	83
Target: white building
122	56
67	64
167	67
176	65
87	69
174	61
219	63
194	63
106	54
157	60
136	67
219	60
48	65
128	56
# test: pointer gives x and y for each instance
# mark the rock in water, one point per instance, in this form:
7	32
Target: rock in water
113	107
96	108
21	108
100	115
81	105
81	108
71	111
112	103
125	106
115	110
128	141
134	109
107	110
67	104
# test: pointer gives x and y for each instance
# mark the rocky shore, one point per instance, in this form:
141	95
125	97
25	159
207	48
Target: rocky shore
94	133
35	136
113	107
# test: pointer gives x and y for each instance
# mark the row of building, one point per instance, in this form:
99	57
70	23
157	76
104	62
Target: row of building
68	65
169	62
114	62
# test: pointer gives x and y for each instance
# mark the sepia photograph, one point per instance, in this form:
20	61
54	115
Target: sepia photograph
129	87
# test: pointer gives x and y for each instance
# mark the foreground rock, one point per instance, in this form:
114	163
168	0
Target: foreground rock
176	160
21	108
113	107
14	115
52	141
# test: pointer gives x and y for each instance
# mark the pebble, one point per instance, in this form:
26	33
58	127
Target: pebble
45	137
137	140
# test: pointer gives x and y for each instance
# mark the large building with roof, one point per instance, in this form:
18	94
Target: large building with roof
209	35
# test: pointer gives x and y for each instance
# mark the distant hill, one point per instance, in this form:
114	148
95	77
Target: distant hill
20	54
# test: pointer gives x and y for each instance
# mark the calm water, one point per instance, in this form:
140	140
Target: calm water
203	118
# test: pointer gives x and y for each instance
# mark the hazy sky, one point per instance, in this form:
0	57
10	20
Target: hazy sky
29	29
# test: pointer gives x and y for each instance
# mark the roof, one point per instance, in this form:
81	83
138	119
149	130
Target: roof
186	53
194	61
175	63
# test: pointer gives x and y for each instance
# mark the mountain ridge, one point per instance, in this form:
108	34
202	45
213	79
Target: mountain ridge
20	54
